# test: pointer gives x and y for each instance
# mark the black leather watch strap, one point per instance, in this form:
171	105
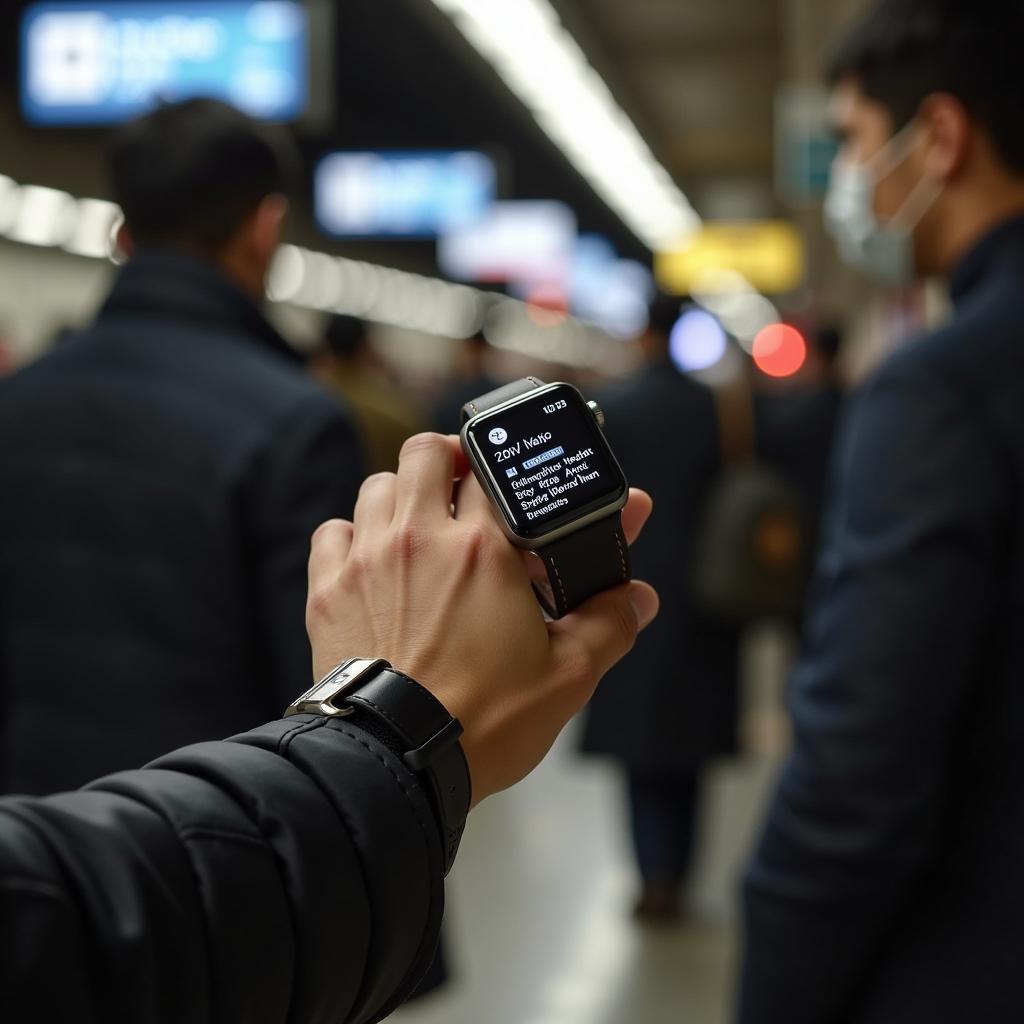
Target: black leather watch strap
428	744
503	394
583	563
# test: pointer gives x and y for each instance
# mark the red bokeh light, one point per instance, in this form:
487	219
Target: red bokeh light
779	350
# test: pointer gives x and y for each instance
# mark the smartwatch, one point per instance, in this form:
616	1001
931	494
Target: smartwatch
541	456
409	720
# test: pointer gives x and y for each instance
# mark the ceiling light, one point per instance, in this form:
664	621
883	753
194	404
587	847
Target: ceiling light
35	215
45	216
543	65
95	221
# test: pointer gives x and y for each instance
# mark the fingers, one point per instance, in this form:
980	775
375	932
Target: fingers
375	506
636	513
327	552
426	471
600	631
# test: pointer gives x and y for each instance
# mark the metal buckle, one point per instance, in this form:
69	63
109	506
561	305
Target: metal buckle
320	698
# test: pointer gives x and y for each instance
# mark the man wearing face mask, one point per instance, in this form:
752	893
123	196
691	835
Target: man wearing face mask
888	883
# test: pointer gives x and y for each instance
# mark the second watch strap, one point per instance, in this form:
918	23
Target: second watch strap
582	563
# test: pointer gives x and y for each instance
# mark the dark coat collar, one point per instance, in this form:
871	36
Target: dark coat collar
1002	245
172	286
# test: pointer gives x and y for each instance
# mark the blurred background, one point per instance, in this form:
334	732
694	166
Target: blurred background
492	189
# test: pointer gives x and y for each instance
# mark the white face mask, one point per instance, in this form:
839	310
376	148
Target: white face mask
884	251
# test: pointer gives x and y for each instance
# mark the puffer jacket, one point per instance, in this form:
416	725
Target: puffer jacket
290	874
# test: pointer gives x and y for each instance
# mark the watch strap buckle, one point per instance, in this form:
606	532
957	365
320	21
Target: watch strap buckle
321	698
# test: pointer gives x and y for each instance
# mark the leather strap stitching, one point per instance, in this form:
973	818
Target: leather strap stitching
622	554
561	584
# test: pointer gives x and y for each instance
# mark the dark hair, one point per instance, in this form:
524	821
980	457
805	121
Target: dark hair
345	335
902	51
191	172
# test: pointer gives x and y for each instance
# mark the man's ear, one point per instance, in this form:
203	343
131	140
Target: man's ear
264	229
122	242
950	136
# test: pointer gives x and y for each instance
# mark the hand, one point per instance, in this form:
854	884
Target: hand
437	589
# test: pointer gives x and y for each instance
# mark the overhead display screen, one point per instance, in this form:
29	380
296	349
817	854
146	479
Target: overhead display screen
99	63
523	240
402	194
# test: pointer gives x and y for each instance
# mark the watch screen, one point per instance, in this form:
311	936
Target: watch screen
547	459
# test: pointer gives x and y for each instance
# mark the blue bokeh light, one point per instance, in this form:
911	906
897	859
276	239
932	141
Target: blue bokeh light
697	341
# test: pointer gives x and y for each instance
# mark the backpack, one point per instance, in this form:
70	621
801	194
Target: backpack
750	557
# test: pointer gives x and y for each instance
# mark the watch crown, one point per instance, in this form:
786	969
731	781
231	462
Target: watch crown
598	414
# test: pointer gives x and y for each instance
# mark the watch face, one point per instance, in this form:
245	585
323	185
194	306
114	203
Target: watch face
545	461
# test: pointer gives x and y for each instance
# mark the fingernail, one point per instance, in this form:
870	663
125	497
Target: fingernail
645	603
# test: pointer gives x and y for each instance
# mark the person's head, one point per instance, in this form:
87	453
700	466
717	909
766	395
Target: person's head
663	312
203	177
927	97
346	337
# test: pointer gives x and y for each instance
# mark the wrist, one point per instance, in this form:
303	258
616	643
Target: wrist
410	721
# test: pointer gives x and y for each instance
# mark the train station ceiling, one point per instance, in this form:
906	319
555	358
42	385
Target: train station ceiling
698	78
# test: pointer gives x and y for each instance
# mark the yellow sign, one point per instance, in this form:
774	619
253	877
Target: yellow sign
770	254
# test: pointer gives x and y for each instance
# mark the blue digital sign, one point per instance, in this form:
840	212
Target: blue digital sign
84	63
401	194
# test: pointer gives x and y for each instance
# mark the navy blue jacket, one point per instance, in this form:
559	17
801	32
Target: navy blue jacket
889	883
672	702
160	476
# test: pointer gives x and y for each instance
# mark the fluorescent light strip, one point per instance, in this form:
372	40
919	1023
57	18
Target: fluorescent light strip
543	65
35	215
332	284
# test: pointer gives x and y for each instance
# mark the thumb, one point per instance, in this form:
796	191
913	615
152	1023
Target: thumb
603	629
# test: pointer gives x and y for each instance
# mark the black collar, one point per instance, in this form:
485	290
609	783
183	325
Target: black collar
168	285
1003	244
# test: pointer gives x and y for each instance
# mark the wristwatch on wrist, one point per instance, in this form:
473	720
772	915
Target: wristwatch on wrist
408	719
541	456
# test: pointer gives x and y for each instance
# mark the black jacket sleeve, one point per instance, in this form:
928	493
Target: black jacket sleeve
897	632
311	472
290	874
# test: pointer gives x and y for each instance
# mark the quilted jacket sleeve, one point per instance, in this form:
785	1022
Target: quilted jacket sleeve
290	874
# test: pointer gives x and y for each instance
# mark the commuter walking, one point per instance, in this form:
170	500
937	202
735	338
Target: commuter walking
385	415
796	430
471	376
671	706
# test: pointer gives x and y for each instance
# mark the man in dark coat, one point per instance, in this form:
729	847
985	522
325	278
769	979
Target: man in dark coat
671	706
888	885
294	874
161	474
796	430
